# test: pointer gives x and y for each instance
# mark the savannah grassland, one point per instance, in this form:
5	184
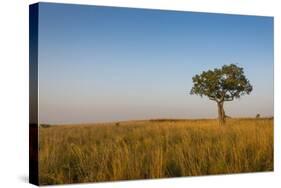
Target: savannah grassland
153	149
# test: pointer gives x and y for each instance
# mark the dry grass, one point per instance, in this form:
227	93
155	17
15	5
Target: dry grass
153	149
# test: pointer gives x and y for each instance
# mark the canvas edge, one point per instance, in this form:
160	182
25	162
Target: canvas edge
33	94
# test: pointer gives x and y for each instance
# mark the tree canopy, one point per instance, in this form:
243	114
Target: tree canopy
224	84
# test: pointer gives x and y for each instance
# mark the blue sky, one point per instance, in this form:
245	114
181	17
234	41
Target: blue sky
99	64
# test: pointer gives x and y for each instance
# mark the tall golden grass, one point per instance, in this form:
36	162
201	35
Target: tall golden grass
153	149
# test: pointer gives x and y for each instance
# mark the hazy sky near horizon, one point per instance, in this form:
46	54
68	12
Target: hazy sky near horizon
100	64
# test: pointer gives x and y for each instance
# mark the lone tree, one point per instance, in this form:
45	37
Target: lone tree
221	85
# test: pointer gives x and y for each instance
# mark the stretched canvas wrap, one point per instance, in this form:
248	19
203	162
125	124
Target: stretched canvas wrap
127	93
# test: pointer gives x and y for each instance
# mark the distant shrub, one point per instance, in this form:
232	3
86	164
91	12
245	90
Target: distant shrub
45	125
258	116
117	124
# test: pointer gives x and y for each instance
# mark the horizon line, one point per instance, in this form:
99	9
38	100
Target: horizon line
153	119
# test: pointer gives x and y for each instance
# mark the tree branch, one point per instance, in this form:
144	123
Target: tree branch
212	98
231	99
222	97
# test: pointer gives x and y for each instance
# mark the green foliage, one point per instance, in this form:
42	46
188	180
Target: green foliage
224	84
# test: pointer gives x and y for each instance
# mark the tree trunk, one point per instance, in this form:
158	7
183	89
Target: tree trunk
221	114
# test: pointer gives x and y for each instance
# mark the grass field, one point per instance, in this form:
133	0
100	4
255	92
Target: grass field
153	149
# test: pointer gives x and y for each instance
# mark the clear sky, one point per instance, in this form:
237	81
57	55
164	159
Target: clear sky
100	64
